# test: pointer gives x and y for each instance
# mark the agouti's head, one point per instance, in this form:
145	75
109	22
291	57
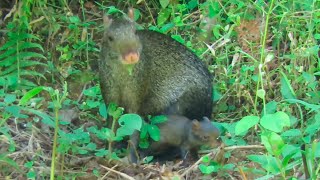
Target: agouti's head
203	133
121	39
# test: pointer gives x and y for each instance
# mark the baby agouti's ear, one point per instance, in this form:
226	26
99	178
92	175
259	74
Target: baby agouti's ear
106	21
195	124
206	119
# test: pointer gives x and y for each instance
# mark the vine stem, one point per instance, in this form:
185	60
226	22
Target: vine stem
56	112
262	55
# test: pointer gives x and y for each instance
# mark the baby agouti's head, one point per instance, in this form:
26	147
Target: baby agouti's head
121	40
203	133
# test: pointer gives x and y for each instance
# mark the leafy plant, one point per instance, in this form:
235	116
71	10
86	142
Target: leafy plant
151	130
18	55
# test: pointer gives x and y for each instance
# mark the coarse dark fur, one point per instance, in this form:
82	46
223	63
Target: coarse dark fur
168	79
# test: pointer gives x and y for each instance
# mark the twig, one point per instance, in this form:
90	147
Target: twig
195	164
245	147
117	172
244	177
236	147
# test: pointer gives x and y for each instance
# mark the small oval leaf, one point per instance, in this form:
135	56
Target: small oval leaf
245	124
275	122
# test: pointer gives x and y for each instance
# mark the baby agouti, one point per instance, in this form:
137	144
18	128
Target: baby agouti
177	132
149	73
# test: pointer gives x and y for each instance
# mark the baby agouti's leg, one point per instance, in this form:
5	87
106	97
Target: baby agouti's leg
183	153
134	154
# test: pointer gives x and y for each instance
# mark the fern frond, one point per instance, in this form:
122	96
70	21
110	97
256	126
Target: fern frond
23	64
31	73
9	52
22	56
28	45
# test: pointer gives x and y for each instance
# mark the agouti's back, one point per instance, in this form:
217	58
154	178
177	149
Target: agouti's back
166	77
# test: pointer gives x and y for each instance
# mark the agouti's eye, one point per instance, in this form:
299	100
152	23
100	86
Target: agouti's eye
205	138
110	38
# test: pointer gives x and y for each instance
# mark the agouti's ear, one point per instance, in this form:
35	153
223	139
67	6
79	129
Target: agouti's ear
106	21
131	14
195	124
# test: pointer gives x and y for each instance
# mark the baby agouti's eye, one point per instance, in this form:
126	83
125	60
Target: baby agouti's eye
205	138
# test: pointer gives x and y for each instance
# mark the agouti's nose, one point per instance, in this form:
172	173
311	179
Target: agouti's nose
131	58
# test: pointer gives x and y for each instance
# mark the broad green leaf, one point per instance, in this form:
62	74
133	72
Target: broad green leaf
82	151
103	134
154	132
144	131
74	19
30	94
115	156
271	107
14	110
267	162
28	164
273	142
313	127
286	89
91	146
46	119
229	167
91	92
101	152
292	133
128	124
216	94
313	107
103	110
167	27
163	15
112	10
192	4
275	122
207	169
114	111
159	119
214	9
245	124
164	3
136	14
178	38
289	149
92	103
9	98
206	159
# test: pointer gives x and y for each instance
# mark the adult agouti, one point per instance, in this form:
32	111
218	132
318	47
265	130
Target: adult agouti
165	77
177	132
